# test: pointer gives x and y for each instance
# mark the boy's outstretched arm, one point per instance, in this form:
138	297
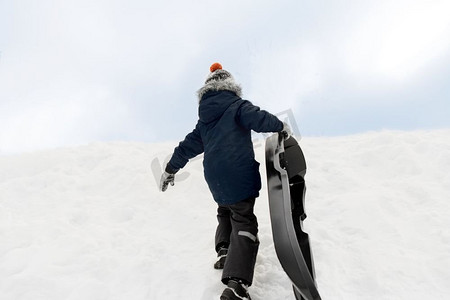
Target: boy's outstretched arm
190	147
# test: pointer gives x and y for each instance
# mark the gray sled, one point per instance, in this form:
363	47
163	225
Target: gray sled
286	168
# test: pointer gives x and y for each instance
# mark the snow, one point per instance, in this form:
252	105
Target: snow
89	222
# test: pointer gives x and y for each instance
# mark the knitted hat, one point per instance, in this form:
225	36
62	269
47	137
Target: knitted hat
217	73
219	80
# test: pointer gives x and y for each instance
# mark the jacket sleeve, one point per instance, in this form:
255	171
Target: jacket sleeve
190	147
252	117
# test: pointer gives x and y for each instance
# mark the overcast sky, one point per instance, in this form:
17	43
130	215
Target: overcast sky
75	72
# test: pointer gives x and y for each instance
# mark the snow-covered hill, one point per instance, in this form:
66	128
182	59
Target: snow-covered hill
88	223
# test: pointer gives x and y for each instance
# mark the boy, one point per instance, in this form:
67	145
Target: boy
223	134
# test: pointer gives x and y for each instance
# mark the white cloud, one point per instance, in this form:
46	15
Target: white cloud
283	75
77	71
63	117
395	39
417	35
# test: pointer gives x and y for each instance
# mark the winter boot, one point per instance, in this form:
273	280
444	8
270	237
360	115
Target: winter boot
235	290
221	255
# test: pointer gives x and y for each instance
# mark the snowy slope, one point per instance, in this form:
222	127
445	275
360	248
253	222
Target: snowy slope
88	222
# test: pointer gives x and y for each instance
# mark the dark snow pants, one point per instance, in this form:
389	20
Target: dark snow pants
238	228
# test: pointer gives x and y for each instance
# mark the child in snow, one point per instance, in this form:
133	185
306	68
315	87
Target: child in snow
223	134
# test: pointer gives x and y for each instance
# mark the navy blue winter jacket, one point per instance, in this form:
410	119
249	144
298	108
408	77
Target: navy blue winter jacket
223	133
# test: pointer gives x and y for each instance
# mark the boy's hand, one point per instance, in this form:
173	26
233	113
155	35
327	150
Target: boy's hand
166	178
286	132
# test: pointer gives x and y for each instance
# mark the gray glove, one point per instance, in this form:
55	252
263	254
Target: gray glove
286	131
166	178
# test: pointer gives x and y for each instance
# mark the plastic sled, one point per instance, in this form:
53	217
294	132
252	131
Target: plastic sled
286	168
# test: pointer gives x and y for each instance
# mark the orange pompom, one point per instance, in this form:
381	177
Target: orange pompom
215	66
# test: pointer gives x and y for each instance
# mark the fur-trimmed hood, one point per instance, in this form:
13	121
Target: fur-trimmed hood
214	85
